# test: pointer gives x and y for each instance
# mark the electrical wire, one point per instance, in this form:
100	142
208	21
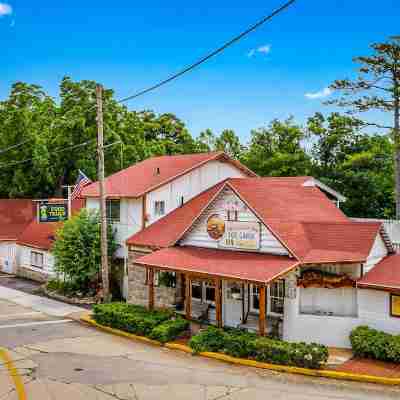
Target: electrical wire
210	55
185	70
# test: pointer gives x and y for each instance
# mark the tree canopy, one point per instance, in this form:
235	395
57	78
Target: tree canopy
43	143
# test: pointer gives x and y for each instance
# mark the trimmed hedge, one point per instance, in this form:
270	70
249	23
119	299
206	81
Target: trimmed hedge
169	330
238	343
371	343
139	321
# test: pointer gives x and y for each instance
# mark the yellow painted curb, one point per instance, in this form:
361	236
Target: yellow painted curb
14	375
118	332
253	363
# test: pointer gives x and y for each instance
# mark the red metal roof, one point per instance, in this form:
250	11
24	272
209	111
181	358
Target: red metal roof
15	216
155	172
254	267
306	222
385	274
42	235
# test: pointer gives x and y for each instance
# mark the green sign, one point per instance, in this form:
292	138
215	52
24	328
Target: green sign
51	212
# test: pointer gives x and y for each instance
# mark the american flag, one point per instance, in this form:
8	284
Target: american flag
81	182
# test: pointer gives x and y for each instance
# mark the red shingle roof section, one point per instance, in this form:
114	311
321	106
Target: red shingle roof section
15	216
286	199
169	229
385	274
221	263
154	172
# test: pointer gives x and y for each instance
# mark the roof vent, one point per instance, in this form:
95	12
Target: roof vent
158	171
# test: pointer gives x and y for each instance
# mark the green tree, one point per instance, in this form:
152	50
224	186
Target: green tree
26	118
77	250
277	150
377	88
356	164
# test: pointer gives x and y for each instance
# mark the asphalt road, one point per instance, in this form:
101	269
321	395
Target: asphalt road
58	359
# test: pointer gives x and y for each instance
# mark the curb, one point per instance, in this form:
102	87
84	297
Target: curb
86	319
250	363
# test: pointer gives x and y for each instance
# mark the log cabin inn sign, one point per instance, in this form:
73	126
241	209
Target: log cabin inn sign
234	234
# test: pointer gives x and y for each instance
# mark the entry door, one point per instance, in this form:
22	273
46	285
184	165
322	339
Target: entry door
233	306
6	259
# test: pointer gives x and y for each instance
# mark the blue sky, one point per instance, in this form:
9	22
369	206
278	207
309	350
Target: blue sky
129	45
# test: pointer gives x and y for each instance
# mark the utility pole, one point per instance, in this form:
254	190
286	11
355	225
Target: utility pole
103	215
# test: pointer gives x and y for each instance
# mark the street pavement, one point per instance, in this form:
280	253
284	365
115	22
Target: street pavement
56	358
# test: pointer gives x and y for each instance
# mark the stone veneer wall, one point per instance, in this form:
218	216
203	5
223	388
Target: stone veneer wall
138	290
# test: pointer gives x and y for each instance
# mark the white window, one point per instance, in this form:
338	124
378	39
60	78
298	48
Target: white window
254	298
322	301
36	259
197	290
113	210
277	296
159	208
203	292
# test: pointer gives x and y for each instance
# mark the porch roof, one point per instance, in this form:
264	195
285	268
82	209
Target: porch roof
385	275
246	266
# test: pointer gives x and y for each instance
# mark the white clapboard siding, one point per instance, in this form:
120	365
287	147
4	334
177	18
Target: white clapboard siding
25	260
8	256
198	236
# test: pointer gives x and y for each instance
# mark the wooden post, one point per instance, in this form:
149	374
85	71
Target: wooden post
144	211
261	321
218	302
103	214
188	297
151	287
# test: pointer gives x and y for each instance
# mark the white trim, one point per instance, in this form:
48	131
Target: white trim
325	188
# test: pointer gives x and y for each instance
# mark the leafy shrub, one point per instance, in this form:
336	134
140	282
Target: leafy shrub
210	339
77	250
169	330
129	318
296	354
371	343
238	343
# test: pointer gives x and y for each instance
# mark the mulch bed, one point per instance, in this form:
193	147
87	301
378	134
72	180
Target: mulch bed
370	367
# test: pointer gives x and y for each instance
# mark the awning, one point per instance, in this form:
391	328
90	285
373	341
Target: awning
384	276
246	266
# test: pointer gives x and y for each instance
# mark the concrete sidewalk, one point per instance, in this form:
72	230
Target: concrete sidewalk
43	304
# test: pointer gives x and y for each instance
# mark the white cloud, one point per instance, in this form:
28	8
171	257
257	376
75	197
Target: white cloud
325	92
5	9
262	49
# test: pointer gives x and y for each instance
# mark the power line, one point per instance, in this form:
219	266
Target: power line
212	54
53	152
186	69
14	146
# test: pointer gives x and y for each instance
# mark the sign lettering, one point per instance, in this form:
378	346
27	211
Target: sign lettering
49	212
241	235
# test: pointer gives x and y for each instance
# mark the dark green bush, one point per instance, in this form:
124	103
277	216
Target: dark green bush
169	330
210	339
371	343
129	318
238	343
295	354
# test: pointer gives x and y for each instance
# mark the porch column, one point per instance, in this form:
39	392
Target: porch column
151	287
188	297
261	321
218	302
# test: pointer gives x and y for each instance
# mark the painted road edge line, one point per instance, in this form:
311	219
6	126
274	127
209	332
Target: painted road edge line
251	363
14	375
27	324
